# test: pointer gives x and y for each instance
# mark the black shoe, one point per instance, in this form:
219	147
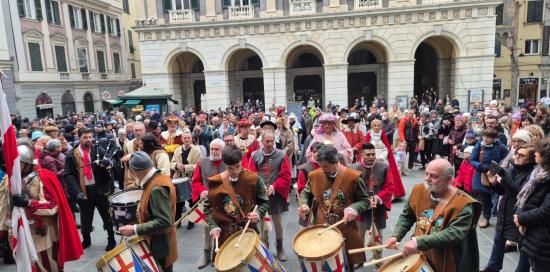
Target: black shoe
509	248
190	225
111	243
86	241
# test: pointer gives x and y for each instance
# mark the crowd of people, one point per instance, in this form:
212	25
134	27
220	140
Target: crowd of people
339	163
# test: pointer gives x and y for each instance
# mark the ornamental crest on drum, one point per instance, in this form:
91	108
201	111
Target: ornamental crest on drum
230	208
338	201
424	221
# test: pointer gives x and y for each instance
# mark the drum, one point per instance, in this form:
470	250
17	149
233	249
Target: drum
183	188
251	255
411	263
123	207
325	252
132	255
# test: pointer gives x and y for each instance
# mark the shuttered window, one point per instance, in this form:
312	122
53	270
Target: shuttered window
35	56
52	12
534	11
116	62
82	60
101	61
60	59
500	14
133	68
131	42
498	47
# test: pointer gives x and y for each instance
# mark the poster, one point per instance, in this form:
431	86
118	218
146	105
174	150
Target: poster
476	96
151	107
402	102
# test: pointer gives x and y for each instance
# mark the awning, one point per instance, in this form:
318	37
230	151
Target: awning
114	102
147	93
44	106
132	102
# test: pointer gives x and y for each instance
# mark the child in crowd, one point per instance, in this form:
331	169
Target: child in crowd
466	172
401	157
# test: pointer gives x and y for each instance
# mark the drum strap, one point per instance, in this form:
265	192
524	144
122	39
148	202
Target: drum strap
229	188
335	187
438	210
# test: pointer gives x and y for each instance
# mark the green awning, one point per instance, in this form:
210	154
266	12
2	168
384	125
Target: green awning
114	102
132	102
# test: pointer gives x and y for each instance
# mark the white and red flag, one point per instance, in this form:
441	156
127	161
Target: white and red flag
196	214
24	251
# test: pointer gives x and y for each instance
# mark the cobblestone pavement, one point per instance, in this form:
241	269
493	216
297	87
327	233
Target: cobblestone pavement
190	241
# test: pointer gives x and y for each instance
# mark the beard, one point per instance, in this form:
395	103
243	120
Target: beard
215	158
87	144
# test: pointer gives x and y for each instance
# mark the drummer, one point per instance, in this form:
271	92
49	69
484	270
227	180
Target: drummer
232	196
183	164
207	167
445	218
350	200
156	211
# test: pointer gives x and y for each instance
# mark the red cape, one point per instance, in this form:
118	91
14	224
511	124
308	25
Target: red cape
69	244
398	189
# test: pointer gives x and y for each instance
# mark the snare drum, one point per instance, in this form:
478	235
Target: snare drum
251	255
325	252
183	188
411	263
123	207
133	255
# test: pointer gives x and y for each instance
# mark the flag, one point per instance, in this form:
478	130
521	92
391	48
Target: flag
24	251
268	225
196	215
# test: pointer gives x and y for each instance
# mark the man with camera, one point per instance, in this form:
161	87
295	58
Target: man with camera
87	179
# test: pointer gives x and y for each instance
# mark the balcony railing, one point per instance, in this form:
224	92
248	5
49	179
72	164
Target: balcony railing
435	2
182	16
302	6
368	4
85	76
241	12
63	75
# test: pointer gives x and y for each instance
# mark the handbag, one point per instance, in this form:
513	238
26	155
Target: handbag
484	178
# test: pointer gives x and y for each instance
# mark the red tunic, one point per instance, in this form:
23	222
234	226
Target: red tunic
355	138
399	189
302	178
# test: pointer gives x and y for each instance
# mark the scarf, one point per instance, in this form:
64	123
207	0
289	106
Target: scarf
538	175
87	170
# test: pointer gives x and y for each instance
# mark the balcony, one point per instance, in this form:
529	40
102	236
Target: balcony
367	4
435	2
182	16
103	76
298	7
63	75
85	76
241	12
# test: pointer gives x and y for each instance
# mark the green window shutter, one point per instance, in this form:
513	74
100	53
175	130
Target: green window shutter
255	3
167	5
71	16
35	56
195	5
92	21
84	20
130	41
109	30
226	3
21	8
102	18
48	11
56	16
117	27
101	61
61	59
116	62
38	7
133	69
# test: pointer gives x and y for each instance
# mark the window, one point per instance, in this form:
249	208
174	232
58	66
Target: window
131	42
534	11
531	47
35	56
498	46
125	6
95	22
101	62
133	68
31	9
500	12
52	11
60	59
227	3
82	60
76	17
116	62
112	25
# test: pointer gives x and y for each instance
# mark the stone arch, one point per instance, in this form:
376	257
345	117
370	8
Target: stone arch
186	77
68	104
291	49
382	43
235	49
44	105
176	52
305	74
245	76
459	48
88	99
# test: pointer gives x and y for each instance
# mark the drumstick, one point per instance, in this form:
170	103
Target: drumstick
383	259
359	250
217	247
332	226
245	227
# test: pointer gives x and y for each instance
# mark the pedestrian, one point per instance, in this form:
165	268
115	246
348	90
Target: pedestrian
408	132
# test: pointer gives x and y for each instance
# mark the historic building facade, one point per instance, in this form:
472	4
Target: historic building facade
215	52
70	55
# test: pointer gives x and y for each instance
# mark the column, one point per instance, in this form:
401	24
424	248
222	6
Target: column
472	73
336	84
217	90
275	87
49	64
400	80
71	57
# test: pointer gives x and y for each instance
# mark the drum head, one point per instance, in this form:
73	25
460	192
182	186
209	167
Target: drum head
309	245
230	257
410	263
126	196
180	180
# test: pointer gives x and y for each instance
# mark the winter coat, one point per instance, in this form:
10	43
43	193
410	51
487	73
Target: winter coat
496	152
464	176
508	188
52	161
534	217
408	130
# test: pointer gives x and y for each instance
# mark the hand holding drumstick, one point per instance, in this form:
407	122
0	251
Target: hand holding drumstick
410	246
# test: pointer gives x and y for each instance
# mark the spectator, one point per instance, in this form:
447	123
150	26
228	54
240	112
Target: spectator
408	132
465	173
52	158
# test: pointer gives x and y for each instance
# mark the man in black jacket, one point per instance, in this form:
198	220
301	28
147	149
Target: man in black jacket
87	179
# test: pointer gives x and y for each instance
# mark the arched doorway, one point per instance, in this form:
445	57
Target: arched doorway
246	81
187	79
305	75
44	105
367	72
89	103
433	69
67	103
